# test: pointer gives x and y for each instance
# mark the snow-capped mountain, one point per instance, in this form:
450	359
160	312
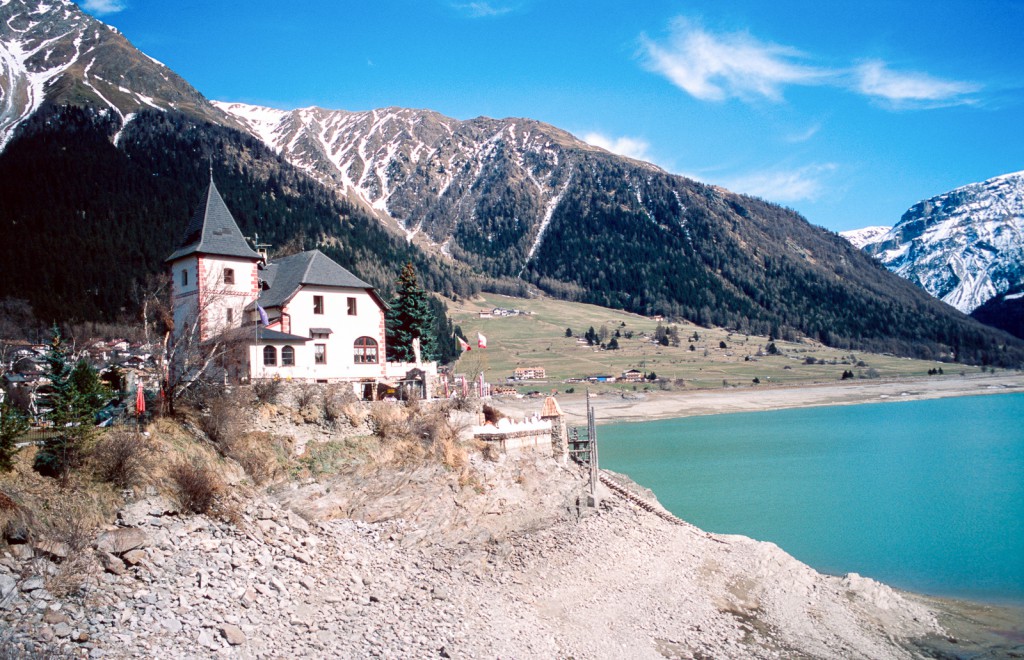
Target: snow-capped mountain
865	236
50	51
419	168
513	205
965	246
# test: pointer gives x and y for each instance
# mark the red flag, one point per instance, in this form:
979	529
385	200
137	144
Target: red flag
481	341
140	400
464	344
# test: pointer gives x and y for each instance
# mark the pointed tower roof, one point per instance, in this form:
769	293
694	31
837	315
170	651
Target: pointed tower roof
212	230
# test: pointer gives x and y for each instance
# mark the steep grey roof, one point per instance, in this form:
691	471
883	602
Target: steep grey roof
311	268
212	230
265	334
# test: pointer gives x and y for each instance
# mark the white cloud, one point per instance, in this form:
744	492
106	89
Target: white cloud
784	185
624	146
101	7
804	135
483	9
716	67
875	79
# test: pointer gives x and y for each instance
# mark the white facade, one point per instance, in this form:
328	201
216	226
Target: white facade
303	314
219	286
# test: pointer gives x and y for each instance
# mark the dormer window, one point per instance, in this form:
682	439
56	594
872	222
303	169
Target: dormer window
229	276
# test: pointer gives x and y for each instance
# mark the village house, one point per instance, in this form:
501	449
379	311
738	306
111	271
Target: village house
632	376
301	317
530	373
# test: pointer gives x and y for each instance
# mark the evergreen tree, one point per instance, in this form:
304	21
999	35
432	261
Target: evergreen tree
409	317
12	426
447	348
78	393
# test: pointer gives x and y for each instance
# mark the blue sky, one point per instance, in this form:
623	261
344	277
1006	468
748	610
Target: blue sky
847	112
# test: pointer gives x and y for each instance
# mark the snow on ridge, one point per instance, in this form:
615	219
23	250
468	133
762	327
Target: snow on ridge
865	236
264	122
549	212
124	124
26	83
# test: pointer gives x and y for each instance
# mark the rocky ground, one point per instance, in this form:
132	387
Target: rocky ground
416	564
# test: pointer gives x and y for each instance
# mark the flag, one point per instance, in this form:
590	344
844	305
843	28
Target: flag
264	319
463	343
140	400
481	341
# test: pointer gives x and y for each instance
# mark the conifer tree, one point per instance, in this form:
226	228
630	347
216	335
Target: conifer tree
409	317
12	426
78	393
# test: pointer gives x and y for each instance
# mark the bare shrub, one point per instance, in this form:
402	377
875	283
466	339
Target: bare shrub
65	529
196	486
256	453
408	436
266	391
464	404
339	402
388	421
121	457
306	395
224	418
441	437
14	518
356	413
492	414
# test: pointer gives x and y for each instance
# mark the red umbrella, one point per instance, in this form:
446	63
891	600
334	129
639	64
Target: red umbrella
140	400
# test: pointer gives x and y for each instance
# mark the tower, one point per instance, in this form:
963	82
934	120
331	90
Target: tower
213	272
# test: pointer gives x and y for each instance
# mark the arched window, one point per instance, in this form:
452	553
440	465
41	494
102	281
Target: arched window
366	350
287	356
269	356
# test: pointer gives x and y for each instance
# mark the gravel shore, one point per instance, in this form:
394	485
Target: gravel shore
524	569
644	406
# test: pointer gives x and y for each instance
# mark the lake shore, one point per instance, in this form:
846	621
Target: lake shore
971	628
616	407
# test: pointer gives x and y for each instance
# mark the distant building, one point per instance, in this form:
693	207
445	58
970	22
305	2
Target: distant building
530	373
632	376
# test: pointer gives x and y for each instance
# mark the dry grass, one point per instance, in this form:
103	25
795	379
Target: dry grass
121	457
224	417
341	404
196	486
261	455
415	434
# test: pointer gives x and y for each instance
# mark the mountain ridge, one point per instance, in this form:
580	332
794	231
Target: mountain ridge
510	204
965	246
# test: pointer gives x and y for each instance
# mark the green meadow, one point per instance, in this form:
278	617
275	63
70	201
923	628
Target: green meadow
538	339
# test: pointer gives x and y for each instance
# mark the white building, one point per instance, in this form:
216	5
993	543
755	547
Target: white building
323	324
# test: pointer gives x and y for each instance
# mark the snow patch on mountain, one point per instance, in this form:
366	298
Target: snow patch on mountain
865	236
964	247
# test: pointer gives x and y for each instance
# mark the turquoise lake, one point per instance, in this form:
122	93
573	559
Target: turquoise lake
926	496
